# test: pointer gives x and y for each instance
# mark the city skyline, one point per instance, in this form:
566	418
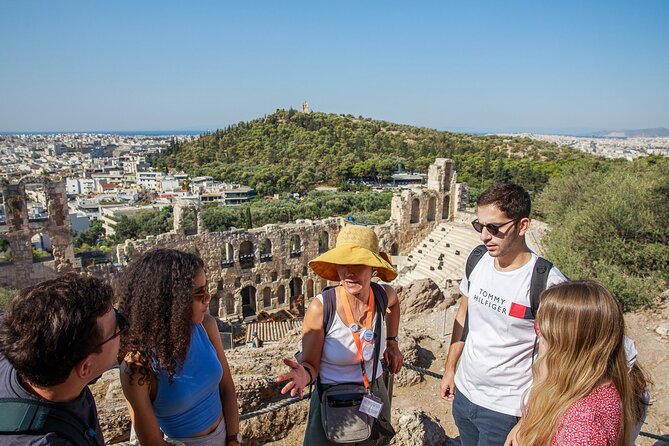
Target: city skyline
512	67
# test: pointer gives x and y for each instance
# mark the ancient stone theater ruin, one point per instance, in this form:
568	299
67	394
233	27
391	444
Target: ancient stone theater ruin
248	270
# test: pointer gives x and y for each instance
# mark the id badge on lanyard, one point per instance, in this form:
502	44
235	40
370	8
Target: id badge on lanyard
371	404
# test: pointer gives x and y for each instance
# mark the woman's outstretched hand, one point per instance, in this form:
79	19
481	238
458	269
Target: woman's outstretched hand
298	378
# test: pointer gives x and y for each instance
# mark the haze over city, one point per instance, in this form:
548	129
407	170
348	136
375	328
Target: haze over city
567	67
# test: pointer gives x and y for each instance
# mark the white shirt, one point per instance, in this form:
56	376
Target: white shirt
495	366
339	363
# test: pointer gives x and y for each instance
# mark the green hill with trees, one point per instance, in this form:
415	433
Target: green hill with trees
290	151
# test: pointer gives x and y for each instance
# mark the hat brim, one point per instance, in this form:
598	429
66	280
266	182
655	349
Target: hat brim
325	265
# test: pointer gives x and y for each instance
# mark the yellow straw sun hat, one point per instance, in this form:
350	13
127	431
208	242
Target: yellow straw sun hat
356	245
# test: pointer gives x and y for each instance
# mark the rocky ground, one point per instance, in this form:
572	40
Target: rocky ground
419	415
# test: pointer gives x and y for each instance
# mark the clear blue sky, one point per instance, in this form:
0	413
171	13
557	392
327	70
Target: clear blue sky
451	65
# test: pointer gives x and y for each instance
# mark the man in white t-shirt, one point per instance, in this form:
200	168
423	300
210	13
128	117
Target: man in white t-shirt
495	361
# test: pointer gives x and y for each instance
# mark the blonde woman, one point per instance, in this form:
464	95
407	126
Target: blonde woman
581	394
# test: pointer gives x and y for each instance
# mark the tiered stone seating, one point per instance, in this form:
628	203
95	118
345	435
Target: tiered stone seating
440	256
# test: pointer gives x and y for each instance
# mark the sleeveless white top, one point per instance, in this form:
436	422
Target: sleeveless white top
339	362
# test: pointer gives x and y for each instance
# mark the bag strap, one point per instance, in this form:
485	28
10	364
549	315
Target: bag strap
329	306
538	283
32	417
472	260
380	312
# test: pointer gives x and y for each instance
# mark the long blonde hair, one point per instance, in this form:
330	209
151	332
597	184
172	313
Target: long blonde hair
583	327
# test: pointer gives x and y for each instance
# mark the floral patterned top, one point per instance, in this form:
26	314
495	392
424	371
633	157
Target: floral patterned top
595	420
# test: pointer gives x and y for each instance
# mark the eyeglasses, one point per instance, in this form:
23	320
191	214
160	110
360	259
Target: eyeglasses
492	229
202	294
122	325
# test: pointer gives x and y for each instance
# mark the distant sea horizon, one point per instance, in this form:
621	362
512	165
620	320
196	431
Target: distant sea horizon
115	132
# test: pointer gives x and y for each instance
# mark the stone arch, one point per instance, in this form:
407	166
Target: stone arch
323	242
265	249
281	294
296	297
41	247
394	249
214	305
267	297
295	286
295	246
431	208
310	288
248	301
415	211
446	212
227	256
246	254
229	304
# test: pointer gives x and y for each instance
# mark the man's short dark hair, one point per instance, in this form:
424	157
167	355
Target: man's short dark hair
510	198
49	327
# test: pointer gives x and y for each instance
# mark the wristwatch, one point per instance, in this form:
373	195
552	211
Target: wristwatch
392	338
234	437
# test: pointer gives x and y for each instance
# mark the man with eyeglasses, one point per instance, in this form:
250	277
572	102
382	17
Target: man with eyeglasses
55	338
494	364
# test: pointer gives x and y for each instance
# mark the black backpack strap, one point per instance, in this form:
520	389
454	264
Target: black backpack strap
538	283
472	260
381	297
329	306
32	417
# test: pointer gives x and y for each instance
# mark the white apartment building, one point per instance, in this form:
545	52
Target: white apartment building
80	186
149	180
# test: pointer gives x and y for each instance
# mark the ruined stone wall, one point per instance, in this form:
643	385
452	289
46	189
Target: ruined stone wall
418	210
18	230
248	270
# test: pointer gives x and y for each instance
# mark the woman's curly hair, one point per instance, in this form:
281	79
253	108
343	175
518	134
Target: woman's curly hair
156	292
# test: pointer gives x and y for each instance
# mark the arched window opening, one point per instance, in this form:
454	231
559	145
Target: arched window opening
246	255
248	301
37	202
323	242
415	211
266	297
227	256
295	246
281	293
265	248
431	208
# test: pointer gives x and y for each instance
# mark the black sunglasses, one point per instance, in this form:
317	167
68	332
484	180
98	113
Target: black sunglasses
492	229
122	326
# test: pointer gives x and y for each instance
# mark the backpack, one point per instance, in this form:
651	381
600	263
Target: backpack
537	283
33	417
330	303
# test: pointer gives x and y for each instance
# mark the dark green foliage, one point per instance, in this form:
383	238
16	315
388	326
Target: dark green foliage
293	152
144	223
609	223
90	236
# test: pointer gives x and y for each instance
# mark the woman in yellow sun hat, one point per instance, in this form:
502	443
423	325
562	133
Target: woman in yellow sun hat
340	333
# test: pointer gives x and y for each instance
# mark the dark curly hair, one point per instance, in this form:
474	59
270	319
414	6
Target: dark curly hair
51	326
156	291
510	198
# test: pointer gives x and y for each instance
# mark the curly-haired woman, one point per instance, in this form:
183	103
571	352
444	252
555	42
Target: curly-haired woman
581	394
174	373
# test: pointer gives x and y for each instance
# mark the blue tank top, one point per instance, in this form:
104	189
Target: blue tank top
191	403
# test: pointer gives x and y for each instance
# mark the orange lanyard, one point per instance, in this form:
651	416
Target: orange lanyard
356	335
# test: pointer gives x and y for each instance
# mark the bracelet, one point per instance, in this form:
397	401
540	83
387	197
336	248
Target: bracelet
392	338
311	378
